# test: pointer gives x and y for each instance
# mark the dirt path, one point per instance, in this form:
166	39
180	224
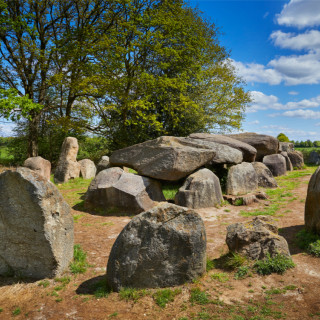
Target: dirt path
255	297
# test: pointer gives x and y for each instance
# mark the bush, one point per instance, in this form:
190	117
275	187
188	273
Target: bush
278	264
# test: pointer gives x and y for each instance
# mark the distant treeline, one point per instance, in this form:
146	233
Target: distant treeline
306	144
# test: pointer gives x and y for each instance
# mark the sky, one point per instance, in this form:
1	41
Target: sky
275	48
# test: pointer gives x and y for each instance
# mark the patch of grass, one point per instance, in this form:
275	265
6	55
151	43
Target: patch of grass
230	261
112	315
132	294
239	202
58	299
199	297
170	189
241	273
44	283
79	264
309	241
268	211
76	217
101	289
64	280
16	311
1	309
164	296
210	265
290	287
278	264
314	248
227	210
221	277
275	291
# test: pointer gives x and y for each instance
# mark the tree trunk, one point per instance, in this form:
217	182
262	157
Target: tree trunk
33	136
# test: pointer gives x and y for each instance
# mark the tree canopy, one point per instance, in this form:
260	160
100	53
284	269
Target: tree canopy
282	137
129	70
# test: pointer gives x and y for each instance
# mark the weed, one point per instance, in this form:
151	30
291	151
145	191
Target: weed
290	287
226	210
199	297
64	280
132	294
230	261
44	283
162	297
101	289
113	315
241	273
16	311
221	277
314	248
59	299
1	309
278	264
183	318
210	265
54	294
76	217
275	291
238	202
79	264
204	315
309	241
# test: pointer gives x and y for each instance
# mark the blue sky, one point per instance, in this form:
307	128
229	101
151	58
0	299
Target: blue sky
275	47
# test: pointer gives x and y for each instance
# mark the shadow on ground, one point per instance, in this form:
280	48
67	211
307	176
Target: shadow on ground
290	234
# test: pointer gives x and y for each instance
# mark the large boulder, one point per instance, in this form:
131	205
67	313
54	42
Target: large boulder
173	158
276	164
289	166
87	169
120	191
256	239
265	177
264	144
200	190
248	152
241	179
36	226
312	206
103	164
163	247
296	159
286	146
67	167
314	158
39	165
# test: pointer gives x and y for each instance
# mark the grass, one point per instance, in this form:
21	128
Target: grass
5	158
79	264
199	297
101	289
16	311
132	294
309	241
170	189
242	272
221	277
230	261
164	296
44	283
239	202
210	265
278	264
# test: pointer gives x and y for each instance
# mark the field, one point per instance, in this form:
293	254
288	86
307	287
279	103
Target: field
222	293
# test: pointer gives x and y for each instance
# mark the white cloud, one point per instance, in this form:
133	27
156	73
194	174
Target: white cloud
265	102
291	133
300	13
6	129
310	40
254	122
293	93
304	114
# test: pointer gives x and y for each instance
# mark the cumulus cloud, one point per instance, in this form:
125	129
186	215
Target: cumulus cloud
304	114
6	129
292	133
300	14
310	40
293	93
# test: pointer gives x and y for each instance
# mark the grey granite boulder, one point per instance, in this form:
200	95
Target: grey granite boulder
265	177
296	159
87	169
286	146
257	238
173	158
314	158
241	179
103	164
289	166
36	226
200	190
264	144
276	164
312	205
162	247
67	167
248	152
39	165
123	192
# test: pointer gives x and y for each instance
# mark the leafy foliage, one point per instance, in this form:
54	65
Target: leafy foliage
278	264
282	137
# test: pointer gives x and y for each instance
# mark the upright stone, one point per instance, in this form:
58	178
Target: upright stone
264	144
286	146
103	164
296	159
36	226
288	161
241	179
314	158
68	167
39	165
162	247
312	206
276	164
265	177
200	190
87	169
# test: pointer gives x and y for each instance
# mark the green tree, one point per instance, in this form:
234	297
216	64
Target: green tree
282	137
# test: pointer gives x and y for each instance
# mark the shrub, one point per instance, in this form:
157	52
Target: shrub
278	264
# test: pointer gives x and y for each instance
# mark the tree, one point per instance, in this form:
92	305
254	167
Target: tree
282	137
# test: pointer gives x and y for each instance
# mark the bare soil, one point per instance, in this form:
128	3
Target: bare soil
232	299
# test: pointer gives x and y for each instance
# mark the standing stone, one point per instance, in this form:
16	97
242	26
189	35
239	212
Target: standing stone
36	226
248	152
265	177
200	190
87	169
39	165
103	164
162	247
276	164
257	238
296	159
289	166
241	179
286	146
68	167
312	206
118	190
314	158
264	144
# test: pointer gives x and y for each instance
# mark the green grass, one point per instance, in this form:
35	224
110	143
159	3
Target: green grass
16	311
132	294
5	158
1	309
210	265
79	264
309	241
239	202
230	261
199	297
44	283
101	289
164	296
278	264
242	272
170	189
221	277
